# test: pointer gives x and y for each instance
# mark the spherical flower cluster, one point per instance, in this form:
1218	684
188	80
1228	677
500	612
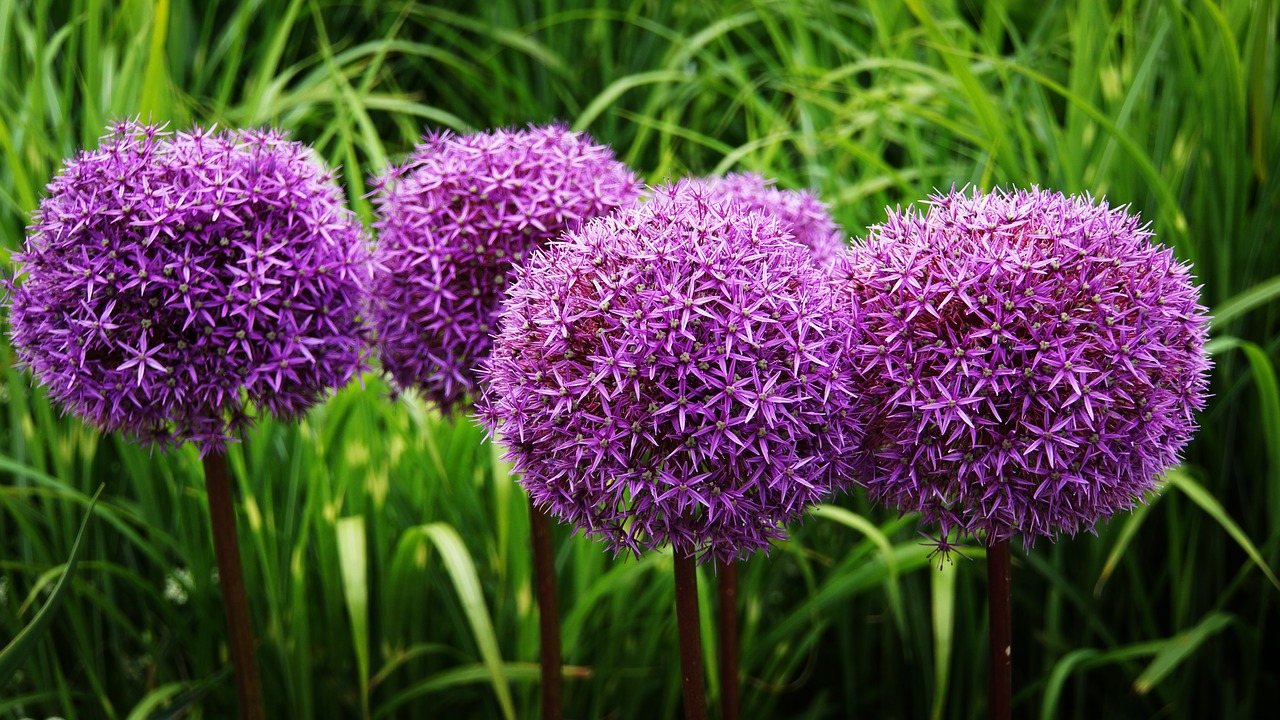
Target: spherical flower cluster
678	372
1036	362
454	220
172	283
800	213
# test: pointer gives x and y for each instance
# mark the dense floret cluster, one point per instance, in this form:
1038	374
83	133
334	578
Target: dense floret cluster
678	372
800	213
170	283
452	223
1036	362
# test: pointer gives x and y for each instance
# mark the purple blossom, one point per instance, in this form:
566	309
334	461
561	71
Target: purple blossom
806	217
677	372
454	220
1037	361
174	283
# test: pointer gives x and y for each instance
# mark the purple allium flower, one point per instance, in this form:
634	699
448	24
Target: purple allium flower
1037	362
452	223
174	282
806	217
676	372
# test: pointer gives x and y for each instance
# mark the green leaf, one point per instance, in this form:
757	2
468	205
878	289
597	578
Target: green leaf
462	571
942	591
261	87
154	105
156	700
1241	303
469	675
1264	377
1179	648
617	88
1058	677
1142	160
175	700
1180	479
1087	658
399	658
16	652
1127	533
875	535
353	564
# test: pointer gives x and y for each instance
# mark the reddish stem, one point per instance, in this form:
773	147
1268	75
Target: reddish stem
235	603
687	621
548	614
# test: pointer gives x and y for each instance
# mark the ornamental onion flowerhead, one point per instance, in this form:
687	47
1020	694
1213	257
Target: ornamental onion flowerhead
1036	362
800	213
454	220
676	372
174	282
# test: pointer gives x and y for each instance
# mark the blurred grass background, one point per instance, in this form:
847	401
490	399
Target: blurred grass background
387	551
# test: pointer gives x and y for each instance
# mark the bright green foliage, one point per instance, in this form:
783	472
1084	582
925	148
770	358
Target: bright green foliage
13	655
1171	105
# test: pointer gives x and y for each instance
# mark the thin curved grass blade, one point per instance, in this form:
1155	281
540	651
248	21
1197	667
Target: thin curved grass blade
16	652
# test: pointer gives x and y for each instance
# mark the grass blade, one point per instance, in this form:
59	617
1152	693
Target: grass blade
155	700
175	700
875	535
1181	480
1264	377
1177	649
469	675
942	592
1083	659
1058	678
1241	303
13	654
154	92
617	88
353	563
1127	533
462	571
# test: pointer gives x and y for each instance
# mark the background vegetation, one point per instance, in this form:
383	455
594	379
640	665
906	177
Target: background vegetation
387	550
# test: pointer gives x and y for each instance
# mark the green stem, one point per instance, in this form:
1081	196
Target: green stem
729	690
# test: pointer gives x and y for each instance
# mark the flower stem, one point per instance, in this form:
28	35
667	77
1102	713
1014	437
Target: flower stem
999	647
695	699
235	603
548	614
729	700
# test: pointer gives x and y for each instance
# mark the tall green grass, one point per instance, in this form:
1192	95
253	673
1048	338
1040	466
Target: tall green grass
387	550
